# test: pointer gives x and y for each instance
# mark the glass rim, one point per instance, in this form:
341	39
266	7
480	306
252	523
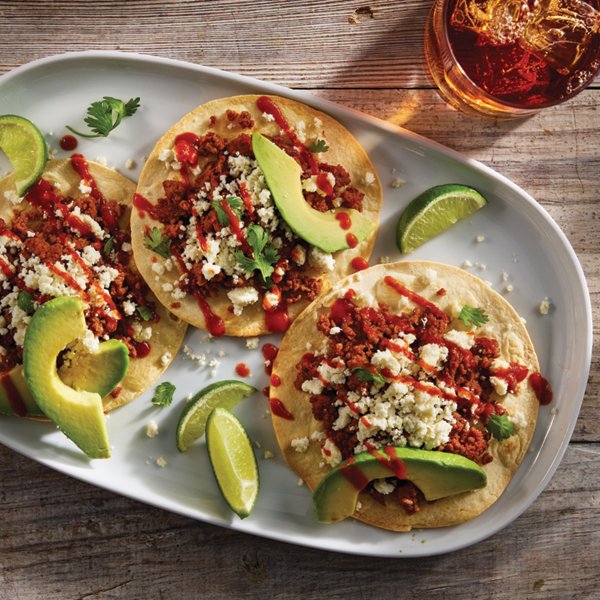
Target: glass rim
445	4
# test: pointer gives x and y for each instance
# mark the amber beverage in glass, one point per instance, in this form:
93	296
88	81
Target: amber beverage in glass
511	58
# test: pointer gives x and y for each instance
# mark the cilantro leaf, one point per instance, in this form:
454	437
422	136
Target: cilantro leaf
105	115
25	302
265	254
366	375
472	317
158	243
163	394
319	146
235	203
144	312
500	427
108	246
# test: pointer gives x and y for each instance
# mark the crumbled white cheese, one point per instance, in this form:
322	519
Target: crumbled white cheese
165	359
300	444
464	339
544	307
84	187
480	238
335	375
331	453
383	486
500	385
161	461
312	386
432	356
321	260
90	341
242	297
151	429
252	343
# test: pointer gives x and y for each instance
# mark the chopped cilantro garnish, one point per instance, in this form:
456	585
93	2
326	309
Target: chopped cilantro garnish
25	302
265	254
105	115
500	427
235	203
144	312
108	246
163	394
472	316
319	146
158	243
366	375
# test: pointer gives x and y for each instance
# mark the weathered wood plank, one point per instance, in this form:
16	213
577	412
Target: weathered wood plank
65	539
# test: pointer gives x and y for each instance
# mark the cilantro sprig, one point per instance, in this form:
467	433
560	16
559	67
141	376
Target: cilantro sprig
163	394
157	242
105	115
366	375
144	312
472	317
264	253
500	427
319	146
236	205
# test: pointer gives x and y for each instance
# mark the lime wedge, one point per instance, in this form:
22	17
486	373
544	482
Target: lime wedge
192	422
25	148
434	211
233	461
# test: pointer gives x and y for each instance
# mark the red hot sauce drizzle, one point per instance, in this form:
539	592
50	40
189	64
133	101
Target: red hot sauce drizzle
269	352
242	369
390	461
13	395
396	285
81	167
351	240
266	105
143	206
358	263
68	142
279	410
541	388
277	320
344	220
354	474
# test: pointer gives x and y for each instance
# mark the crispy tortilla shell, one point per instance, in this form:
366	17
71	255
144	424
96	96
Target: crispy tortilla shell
461	288
168	332
344	149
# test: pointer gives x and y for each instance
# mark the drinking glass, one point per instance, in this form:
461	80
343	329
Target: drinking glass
511	58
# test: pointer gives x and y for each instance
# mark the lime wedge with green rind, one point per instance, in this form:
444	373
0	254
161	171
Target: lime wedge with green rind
25	148
192	423
233	461
434	211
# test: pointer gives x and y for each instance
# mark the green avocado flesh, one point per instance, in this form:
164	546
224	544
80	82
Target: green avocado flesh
436	474
78	413
320	229
98	372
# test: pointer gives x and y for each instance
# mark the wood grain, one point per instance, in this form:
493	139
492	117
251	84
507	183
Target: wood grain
61	538
65	539
298	43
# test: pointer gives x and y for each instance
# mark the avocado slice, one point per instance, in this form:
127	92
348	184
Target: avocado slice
14	394
321	229
99	372
436	474
78	413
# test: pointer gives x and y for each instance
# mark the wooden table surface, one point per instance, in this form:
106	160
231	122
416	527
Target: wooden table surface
60	538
